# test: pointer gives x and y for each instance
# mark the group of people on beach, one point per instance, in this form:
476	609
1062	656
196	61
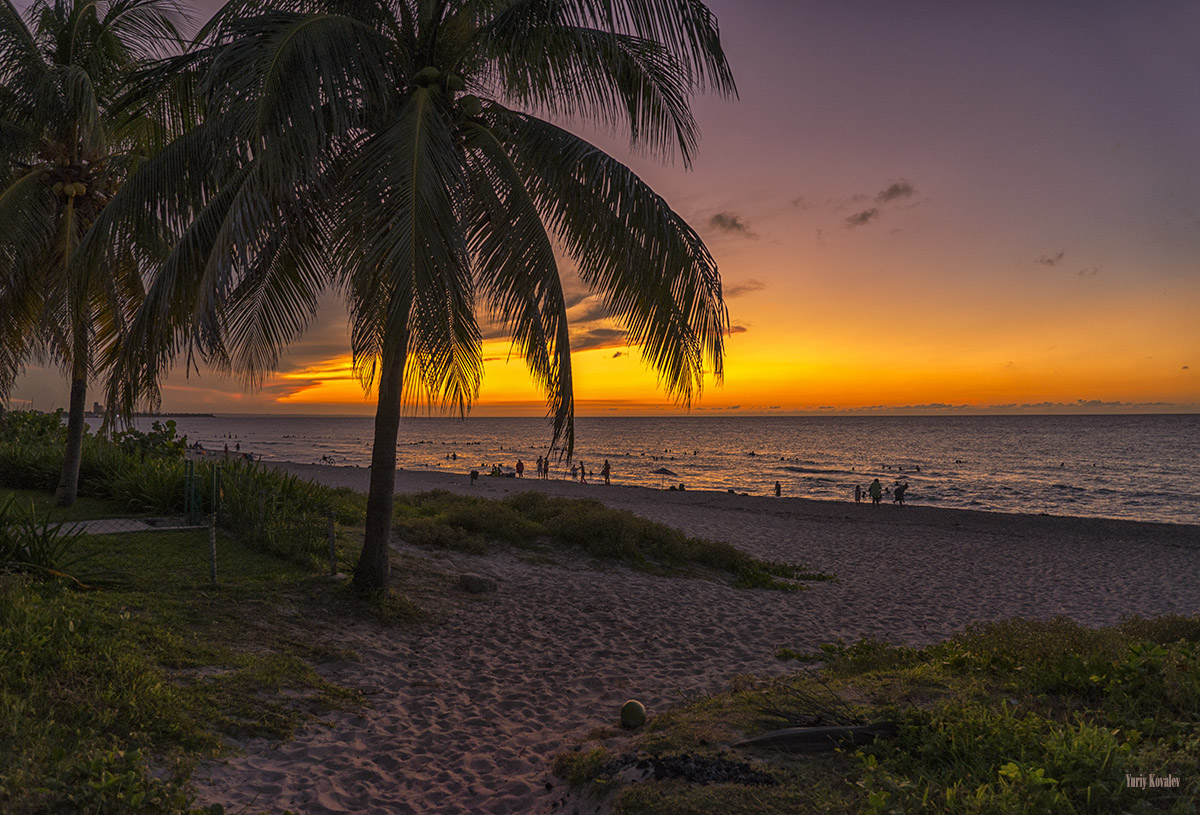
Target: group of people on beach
579	470
876	491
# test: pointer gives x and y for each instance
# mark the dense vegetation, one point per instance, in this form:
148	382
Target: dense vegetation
1008	717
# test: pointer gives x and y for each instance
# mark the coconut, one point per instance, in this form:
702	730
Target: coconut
58	188
633	714
427	76
470	105
455	83
80	188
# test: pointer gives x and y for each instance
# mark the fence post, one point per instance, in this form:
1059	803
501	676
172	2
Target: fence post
212	549
333	570
188	467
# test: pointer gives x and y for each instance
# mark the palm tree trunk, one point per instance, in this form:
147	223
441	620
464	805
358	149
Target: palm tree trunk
68	482
371	573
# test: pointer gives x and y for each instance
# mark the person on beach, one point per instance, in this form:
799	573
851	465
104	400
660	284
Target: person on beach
582	473
778	489
520	468
876	491
606	471
539	467
574	471
857	494
898	494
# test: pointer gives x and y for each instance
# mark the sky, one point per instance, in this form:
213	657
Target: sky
919	207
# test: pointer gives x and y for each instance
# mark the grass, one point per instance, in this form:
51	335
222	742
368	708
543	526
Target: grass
108	697
1012	717
42	505
533	521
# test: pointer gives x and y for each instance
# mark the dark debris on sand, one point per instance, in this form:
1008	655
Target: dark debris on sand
695	769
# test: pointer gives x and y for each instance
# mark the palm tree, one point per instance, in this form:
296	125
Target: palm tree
399	152
67	143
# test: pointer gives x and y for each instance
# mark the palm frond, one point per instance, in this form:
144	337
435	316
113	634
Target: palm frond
596	76
652	270
407	270
687	29
518	275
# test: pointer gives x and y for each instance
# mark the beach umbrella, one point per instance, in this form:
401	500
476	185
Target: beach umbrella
664	472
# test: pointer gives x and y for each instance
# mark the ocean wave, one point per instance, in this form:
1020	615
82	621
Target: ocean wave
814	470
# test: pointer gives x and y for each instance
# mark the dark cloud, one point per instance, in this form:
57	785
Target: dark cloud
598	338
590	312
733	223
862	218
618	355
744	287
738	329
896	191
1091	272
1052	260
575	291
1187	367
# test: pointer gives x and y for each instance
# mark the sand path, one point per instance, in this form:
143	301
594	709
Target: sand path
466	710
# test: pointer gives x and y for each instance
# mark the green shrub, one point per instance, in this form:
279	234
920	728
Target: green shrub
39	547
466	523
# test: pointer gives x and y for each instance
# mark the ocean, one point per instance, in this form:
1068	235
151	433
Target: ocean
1144	468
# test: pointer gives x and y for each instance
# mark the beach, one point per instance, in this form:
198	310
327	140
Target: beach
465	710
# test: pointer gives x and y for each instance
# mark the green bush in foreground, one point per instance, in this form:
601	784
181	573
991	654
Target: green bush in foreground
530	519
1015	717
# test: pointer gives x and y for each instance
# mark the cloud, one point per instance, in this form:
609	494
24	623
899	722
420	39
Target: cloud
896	191
598	338
738	329
1187	367
575	291
1091	272
733	223
743	287
590	312
1052	260
862	218
618	355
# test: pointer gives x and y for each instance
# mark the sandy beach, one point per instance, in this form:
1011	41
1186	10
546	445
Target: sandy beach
466	710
